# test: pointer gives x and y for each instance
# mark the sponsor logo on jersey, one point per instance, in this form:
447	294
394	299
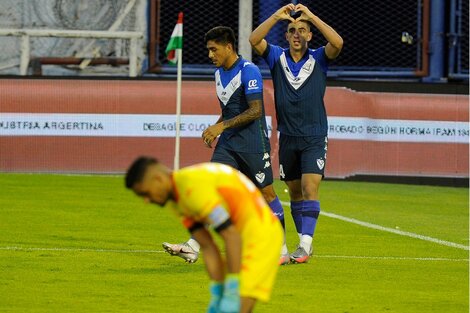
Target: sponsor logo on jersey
253	84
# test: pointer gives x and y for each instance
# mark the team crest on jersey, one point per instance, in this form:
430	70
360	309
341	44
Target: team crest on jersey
320	163
260	177
305	72
226	93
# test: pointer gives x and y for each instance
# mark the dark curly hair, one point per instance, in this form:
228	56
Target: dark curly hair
136	171
221	35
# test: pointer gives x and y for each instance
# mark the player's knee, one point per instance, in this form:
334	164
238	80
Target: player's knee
268	193
310	191
295	195
295	191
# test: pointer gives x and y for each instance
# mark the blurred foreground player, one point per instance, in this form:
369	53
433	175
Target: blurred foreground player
217	196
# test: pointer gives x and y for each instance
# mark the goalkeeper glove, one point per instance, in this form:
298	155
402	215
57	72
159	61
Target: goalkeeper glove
230	302
216	290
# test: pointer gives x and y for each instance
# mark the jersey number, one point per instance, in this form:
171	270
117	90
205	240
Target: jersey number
281	171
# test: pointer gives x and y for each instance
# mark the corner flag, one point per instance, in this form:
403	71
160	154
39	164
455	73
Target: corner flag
176	41
174	54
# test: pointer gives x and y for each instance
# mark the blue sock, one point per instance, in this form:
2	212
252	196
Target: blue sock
310	212
278	210
296	211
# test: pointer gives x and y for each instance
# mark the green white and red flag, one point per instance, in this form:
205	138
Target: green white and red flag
176	41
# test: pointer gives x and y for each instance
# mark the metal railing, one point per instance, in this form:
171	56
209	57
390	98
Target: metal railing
26	34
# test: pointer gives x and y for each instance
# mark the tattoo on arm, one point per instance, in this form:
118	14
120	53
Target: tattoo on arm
252	113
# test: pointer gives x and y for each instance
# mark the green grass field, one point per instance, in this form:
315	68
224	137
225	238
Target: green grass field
85	244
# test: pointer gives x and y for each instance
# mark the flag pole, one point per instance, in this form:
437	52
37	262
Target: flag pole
179	53
179	62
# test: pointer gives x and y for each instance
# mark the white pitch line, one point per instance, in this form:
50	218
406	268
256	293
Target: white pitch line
387	258
79	250
391	230
324	256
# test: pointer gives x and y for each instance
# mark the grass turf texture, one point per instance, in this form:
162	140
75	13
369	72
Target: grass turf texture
90	232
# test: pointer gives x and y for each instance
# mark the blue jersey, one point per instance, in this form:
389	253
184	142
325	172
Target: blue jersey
235	87
298	91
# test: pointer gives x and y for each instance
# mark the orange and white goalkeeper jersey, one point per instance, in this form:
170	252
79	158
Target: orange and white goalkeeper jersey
210	192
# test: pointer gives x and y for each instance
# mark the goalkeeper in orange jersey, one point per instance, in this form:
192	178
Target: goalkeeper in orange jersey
211	195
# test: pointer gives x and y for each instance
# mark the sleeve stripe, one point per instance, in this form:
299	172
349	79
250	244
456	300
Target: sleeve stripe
195	227
223	226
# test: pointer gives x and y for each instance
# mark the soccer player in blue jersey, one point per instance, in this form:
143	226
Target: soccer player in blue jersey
299	79
243	142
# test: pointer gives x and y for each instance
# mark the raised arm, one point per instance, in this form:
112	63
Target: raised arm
257	40
335	42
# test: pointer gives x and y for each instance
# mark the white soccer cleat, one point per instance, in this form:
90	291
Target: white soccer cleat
299	256
183	250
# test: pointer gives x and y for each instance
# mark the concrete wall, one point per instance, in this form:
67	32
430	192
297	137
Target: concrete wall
42	128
